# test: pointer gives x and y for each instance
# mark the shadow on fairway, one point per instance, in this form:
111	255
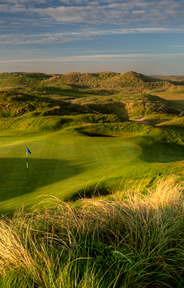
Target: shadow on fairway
161	153
13	176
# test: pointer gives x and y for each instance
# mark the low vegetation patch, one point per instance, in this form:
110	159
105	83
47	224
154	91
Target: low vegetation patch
32	124
175	124
22	78
155	119
127	128
168	137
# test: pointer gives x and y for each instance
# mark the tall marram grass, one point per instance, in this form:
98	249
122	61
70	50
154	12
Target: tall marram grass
128	241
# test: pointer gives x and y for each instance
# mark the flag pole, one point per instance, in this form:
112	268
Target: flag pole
27	162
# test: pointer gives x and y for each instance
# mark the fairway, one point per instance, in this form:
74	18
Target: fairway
60	163
174	98
63	163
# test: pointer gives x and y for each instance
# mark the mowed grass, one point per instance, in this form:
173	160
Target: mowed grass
65	162
60	163
176	98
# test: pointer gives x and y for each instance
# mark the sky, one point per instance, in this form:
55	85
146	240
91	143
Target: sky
61	36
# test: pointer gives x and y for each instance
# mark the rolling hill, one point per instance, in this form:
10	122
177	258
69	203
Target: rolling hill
37	94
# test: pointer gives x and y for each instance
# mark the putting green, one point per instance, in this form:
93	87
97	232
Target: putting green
62	163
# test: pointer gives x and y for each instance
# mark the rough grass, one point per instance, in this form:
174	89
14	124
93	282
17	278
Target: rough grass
22	78
142	104
130	82
128	241
125	129
32	124
57	95
158	118
175	124
22	101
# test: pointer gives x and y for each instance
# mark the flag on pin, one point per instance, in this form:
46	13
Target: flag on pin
27	150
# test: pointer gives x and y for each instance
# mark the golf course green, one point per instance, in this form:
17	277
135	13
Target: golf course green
62	163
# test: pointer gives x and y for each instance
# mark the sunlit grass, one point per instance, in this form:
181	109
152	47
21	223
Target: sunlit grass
128	241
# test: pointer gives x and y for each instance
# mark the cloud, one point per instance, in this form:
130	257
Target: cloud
100	17
128	12
23	2
97	58
49	38
6	8
81	34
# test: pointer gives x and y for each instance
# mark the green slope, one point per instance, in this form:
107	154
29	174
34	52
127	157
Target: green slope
60	164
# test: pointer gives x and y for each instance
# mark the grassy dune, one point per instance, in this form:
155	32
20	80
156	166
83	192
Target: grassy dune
175	124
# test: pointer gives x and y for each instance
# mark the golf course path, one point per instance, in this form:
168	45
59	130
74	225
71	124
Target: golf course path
139	119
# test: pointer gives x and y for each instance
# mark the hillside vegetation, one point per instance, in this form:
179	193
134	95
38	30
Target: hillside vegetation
126	95
128	81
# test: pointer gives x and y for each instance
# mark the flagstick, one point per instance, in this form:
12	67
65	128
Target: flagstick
27	162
